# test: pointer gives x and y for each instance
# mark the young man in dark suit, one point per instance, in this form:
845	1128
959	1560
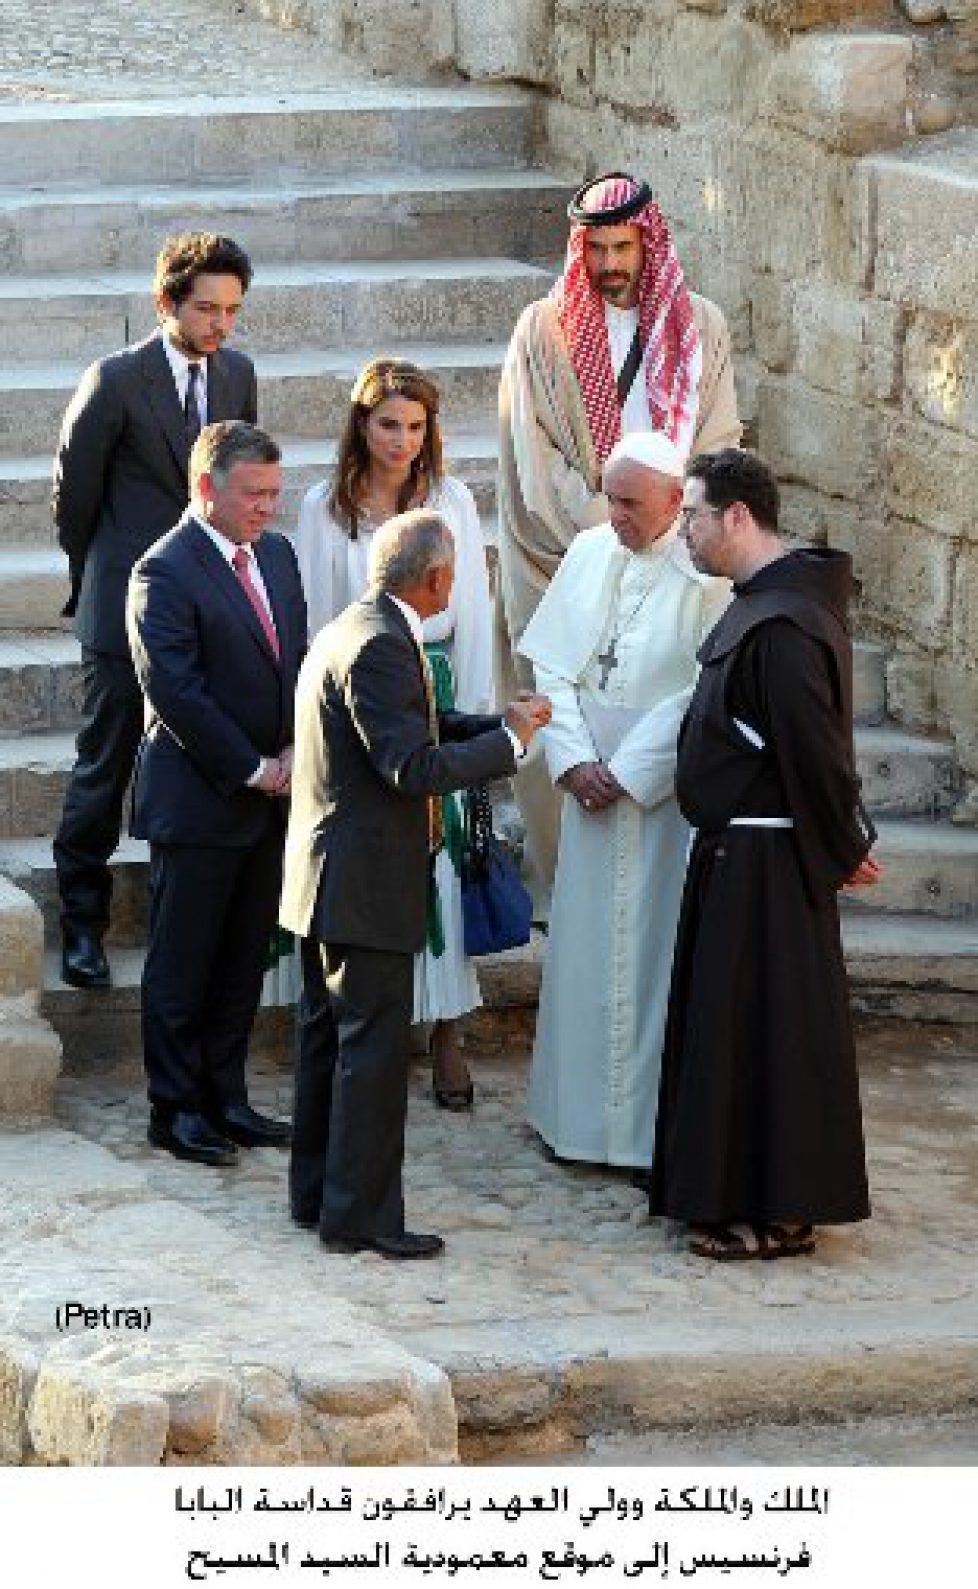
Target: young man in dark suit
372	756
217	624
120	481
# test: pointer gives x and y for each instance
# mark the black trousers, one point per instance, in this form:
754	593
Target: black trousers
211	916
351	1089
91	821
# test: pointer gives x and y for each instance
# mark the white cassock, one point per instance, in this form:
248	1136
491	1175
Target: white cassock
595	1076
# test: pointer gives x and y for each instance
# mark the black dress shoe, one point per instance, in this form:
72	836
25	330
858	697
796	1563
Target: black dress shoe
244	1125
83	962
189	1136
409	1244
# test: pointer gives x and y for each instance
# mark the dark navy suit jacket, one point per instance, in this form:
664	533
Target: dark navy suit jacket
120	473
216	697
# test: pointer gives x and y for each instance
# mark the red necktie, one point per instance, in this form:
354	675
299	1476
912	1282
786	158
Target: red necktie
242	567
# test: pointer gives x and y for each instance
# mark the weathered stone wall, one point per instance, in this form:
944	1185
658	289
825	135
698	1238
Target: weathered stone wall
848	277
769	130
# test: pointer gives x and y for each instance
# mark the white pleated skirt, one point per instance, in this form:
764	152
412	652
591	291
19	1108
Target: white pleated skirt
445	985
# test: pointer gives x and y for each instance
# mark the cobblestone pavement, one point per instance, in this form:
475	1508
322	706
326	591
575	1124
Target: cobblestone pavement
559	1310
560	1240
63	50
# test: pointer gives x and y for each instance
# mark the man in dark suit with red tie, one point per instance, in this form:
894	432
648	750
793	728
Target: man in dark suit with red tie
120	481
217	625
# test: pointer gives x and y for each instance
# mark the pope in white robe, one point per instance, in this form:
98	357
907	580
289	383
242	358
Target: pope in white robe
614	643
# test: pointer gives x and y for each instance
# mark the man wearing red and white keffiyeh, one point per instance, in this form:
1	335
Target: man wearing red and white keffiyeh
622	277
620	344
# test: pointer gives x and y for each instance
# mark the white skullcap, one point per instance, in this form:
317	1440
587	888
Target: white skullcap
652	449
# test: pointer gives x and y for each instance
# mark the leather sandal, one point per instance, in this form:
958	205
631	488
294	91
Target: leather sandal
728	1243
788	1241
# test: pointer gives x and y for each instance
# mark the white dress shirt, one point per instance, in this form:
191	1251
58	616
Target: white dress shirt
180	367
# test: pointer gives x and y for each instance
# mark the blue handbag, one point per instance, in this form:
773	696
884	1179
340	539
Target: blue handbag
497	911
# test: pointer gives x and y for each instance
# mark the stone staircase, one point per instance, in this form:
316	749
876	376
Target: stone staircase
379	220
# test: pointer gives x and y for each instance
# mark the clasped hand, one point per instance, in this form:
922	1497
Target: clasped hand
276	778
527	714
592	784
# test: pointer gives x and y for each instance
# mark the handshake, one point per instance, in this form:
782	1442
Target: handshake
527	714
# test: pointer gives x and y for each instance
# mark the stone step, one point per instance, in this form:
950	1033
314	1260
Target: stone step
396	214
194	140
906	774
33	588
303	394
290	307
909	967
100	1031
40	682
914	968
29	864
929	869
40	691
25	482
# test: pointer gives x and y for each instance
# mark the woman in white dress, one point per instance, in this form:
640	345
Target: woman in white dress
390	460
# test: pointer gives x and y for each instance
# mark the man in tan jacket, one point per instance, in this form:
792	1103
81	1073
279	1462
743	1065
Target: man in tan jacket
620	345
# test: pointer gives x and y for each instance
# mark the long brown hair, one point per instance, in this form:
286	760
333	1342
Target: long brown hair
379	379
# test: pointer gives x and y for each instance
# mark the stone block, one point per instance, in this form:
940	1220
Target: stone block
748	375
18	1374
653	63
199	1412
926	209
78	1418
771	322
815	519
849	91
790	16
846	344
957	700
927	475
30	1063
868	682
917	575
398	36
815	439
964	634
21	942
804	216
513	39
941	370
911	689
573	66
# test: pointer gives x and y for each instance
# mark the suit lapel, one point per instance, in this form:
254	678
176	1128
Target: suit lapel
218	395
161	394
226	581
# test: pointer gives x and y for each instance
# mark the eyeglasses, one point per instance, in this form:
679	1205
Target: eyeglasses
689	511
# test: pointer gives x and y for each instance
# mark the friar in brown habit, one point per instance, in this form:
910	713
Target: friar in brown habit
759	1131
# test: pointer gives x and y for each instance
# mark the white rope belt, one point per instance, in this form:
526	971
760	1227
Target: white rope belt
761	822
